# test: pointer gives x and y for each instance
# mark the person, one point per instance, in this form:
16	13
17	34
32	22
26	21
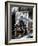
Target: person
18	31
22	27
25	30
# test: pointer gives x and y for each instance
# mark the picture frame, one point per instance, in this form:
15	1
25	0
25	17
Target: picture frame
20	22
